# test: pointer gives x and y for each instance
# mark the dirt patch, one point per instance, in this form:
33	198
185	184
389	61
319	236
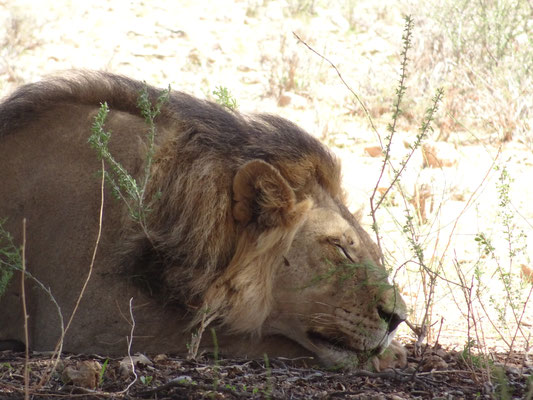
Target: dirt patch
435	374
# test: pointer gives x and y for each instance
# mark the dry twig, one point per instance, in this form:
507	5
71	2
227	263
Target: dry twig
25	310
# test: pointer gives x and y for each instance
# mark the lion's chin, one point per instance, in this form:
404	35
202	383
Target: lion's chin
337	353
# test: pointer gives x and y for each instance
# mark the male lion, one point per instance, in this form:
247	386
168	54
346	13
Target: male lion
247	226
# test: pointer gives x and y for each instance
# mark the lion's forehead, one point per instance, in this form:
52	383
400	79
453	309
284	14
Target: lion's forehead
328	222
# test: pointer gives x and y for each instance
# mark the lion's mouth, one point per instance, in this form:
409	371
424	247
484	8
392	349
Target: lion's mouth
337	342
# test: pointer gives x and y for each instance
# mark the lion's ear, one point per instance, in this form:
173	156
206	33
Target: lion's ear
262	196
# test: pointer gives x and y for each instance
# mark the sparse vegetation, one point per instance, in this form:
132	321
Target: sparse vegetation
124	186
146	380
10	258
504	313
102	372
490	44
224	98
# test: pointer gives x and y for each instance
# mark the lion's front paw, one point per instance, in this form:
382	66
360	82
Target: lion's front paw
394	356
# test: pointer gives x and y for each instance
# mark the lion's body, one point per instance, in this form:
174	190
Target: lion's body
240	203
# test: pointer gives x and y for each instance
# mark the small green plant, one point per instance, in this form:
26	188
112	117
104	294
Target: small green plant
205	317
124	186
224	98
409	227
10	258
529	388
102	372
484	243
187	381
424	130
503	390
7	366
146	380
254	390
512	305
472	359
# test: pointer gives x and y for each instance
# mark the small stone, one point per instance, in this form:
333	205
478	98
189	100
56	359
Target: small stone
434	363
127	363
85	374
160	358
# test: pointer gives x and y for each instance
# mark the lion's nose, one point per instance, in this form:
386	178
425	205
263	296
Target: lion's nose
391	318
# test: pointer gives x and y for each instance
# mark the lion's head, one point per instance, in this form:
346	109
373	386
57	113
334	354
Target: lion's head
248	223
309	272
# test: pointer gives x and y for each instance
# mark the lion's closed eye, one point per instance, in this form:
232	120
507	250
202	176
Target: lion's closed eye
343	252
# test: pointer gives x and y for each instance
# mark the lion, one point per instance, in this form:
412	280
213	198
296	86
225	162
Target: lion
248	228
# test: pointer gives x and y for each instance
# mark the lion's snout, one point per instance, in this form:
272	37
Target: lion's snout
392	319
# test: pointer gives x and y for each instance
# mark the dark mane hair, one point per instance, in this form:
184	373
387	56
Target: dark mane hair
262	136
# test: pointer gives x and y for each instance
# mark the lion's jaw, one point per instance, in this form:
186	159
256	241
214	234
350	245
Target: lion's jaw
331	297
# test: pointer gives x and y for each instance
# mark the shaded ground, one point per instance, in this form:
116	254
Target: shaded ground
435	374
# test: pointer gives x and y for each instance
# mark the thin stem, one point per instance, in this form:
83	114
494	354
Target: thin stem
367	113
25	311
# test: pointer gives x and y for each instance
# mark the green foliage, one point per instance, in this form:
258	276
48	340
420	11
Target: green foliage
472	359
424	130
102	372
529	387
428	271
121	182
224	98
149	114
484	243
146	380
409	227
123	185
10	258
503	390
508	276
480	361
400	90
7	366
515	237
